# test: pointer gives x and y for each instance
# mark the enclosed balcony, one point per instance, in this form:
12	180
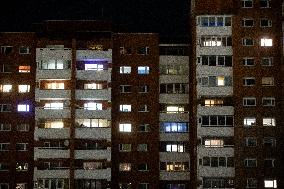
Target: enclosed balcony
41	153
91	94
42	113
93	133
94	54
91	154
51	174
51	133
49	94
85	113
93	174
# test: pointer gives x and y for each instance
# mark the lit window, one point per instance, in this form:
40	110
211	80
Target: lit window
95	67
53	105
175	148
5	88
247	42
52	64
173	127
221	81
247	3
247	22
125	167
267	81
214	143
125	127
93	123
266	42
268	121
93	86
143	69
265	22
214	21
93	106
268	101
24	69
23	108
125	69
175	109
54	124
249	101
21	166
125	108
213	102
125	147
24	50
24	88
22	186
270	183
249	121
54	85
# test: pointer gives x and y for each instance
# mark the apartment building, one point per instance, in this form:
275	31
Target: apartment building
84	107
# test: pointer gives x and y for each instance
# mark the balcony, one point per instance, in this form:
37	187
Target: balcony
97	133
94	54
171	59
96	114
51	53
41	113
93	154
216	171
215	151
53	74
214	70
174	136
51	173
41	94
213	50
101	75
174	98
104	94
46	153
174	156
178	117
50	133
165	175
174	79
215	131
215	110
225	30
214	91
93	174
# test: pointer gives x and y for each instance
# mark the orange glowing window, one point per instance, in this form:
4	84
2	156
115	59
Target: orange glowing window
24	69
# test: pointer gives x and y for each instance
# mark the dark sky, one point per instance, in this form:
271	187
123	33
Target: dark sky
168	17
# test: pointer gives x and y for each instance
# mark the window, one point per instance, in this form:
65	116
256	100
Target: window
174	166
23	127
175	147
215	81
175	109
266	61
6	50
143	108
96	86
265	22
269	141
54	85
4	166
53	105
213	102
144	127
269	183
251	183
249	81
125	167
217	161
175	186
215	60
143	70
142	147
250	162
267	81
247	3
248	61
143	89
91	66
125	186
125	127
125	50
268	101
4	185
264	3
4	68
22	146
174	88
173	69
249	101
56	183
5	127
5	107
22	186
215	41
24	50
125	88
5	88
269	163
268	121
24	69
4	146
21	166
143	186
214	21
246	22
125	69
143	50
174	127
93	106
247	42
125	108
84	123
142	167
52	64
217	121
23	108
249	121
214	143
266	42
24	88
250	141
124	147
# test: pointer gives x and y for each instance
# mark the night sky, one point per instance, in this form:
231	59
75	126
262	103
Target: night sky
167	17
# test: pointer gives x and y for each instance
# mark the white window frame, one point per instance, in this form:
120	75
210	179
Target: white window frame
245	24
268	4
269	23
266	42
23	108
143	70
248	59
246	6
248	143
125	107
125	167
248	161
23	127
122	88
25	48
249	121
246	99
6	88
268	99
24	88
268	121
266	59
125	69
25	145
246	81
3	144
270	183
125	147
93	106
245	42
125	127
271	81
3	125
